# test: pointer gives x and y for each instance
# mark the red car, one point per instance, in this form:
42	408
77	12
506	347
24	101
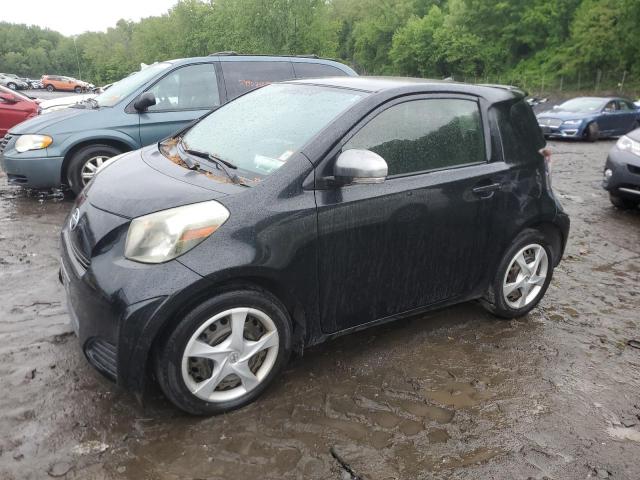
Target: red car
15	108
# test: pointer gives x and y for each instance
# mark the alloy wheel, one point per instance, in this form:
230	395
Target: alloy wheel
230	354
526	276
91	166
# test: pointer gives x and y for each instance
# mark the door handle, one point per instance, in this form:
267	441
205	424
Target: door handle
486	191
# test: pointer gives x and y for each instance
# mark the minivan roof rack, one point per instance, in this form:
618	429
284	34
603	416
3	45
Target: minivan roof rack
232	53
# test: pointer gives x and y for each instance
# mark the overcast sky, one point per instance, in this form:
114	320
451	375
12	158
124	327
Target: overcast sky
86	15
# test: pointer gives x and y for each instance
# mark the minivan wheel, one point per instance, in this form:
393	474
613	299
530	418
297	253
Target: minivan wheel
522	278
84	164
225	352
50	88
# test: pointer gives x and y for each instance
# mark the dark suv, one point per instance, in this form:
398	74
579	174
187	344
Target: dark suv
301	211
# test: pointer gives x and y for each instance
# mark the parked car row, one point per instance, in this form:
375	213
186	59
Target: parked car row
591	118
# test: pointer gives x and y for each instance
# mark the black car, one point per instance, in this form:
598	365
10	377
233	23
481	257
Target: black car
622	171
301	211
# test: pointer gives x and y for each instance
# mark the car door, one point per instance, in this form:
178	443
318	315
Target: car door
627	117
608	120
418	238
182	96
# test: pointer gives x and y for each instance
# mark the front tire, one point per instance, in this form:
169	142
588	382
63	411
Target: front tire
522	277
592	132
622	203
225	352
77	90
12	86
84	164
50	88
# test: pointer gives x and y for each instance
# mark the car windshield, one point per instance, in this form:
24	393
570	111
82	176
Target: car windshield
582	105
128	85
260	131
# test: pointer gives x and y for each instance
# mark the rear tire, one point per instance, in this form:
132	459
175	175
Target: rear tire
520	283
12	86
77	90
202	385
623	203
83	162
592	132
50	88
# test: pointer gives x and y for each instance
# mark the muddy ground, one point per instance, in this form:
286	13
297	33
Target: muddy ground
455	394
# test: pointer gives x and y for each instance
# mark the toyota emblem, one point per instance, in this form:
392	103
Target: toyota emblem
75	218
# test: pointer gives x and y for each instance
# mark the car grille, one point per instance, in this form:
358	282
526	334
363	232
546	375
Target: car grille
549	122
4	142
103	355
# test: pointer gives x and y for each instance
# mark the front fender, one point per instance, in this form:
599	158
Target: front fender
96	136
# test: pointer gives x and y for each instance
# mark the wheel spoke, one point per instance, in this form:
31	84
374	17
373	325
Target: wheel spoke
537	280
206	387
268	340
509	288
218	354
522	263
536	263
90	166
248	379
238	317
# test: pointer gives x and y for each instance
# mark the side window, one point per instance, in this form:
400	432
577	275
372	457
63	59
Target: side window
519	131
188	88
240	77
610	107
622	105
424	135
316	70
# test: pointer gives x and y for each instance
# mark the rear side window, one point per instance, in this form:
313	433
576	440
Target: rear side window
521	136
424	135
316	70
194	87
240	77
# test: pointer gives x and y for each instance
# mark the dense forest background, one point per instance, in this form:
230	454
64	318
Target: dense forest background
537	44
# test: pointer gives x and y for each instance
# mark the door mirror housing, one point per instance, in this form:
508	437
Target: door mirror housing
8	98
144	101
360	166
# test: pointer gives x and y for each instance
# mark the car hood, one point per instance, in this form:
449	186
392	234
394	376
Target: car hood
47	123
145	181
634	134
565	115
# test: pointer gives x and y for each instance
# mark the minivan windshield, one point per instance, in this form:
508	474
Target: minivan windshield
583	104
260	131
130	84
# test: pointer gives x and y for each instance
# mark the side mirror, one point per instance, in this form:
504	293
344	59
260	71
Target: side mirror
360	166
144	101
8	98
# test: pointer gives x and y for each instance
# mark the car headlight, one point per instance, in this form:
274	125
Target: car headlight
32	142
626	144
572	122
163	236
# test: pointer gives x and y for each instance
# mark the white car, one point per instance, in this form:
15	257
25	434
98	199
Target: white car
52	105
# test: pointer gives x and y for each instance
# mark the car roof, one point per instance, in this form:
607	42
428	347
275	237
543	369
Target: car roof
493	93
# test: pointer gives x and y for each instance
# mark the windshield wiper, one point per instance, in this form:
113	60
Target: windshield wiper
221	163
94	103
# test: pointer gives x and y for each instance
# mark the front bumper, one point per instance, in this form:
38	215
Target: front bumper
624	180
114	303
32	169
563	131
